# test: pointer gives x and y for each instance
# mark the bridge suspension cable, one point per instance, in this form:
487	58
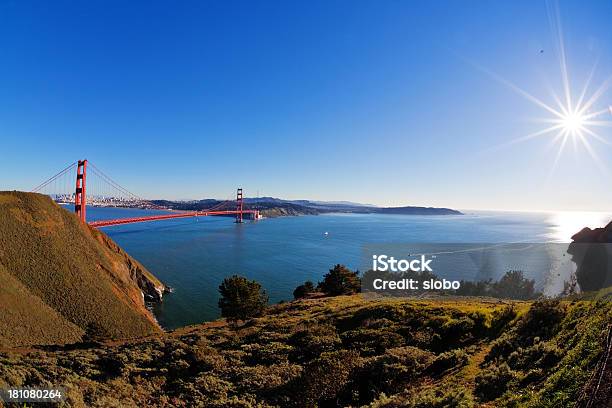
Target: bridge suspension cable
95	188
111	182
54	178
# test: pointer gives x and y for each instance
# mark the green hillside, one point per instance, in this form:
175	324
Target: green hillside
343	351
62	279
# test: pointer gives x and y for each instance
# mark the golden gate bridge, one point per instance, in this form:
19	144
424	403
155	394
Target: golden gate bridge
95	188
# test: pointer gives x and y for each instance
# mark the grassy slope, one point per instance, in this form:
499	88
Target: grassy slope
343	351
65	276
31	318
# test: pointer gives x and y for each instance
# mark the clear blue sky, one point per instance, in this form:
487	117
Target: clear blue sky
369	101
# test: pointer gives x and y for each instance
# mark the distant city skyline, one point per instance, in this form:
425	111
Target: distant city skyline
386	103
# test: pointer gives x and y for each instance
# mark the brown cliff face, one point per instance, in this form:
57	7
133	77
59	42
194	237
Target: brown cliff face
591	250
588	235
64	281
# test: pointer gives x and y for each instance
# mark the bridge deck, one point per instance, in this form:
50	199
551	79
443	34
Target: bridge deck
121	221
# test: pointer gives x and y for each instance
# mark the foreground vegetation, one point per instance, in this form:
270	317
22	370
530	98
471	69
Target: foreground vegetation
341	351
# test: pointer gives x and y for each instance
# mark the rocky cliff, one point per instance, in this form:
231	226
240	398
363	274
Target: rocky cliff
591	250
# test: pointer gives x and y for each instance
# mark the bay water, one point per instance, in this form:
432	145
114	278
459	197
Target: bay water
194	255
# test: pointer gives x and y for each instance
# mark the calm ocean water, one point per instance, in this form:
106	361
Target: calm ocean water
194	255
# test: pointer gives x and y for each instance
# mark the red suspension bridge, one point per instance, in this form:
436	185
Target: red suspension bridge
94	187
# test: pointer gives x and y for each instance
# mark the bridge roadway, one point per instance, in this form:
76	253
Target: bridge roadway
186	214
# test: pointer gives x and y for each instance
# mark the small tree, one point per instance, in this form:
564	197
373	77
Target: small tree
241	298
340	281
514	285
304	290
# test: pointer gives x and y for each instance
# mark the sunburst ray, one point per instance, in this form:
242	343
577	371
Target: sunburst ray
573	118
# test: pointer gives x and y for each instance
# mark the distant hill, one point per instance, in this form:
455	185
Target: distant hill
416	211
276	207
62	280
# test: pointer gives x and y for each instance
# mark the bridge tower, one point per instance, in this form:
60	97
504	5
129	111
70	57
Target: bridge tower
80	196
239	206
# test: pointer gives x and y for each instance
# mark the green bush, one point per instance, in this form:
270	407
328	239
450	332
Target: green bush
542	320
241	298
269	353
315	339
501	348
454	398
340	281
461	330
447	360
324	378
514	285
371	341
205	358
492	382
501	318
544	355
304	290
390	372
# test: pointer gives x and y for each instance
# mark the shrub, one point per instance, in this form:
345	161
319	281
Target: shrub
262	379
324	378
391	372
205	358
542	354
303	290
542	320
493	382
447	360
412	357
501	318
371	341
340	281
501	347
454	398
514	285
456	331
268	353
214	388
241	298
312	341
111	366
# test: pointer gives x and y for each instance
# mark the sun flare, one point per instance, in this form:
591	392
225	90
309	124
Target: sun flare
571	117
573	122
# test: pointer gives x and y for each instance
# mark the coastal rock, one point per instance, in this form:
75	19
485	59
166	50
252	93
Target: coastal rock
152	288
591	251
603	235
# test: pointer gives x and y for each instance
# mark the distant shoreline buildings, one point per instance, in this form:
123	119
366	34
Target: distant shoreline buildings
104	201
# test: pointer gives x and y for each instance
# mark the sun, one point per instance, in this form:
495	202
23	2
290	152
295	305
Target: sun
572	117
573	123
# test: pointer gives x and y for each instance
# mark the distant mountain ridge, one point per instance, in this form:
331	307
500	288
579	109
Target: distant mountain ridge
274	207
307	203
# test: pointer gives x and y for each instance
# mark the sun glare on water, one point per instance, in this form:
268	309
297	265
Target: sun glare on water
564	224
